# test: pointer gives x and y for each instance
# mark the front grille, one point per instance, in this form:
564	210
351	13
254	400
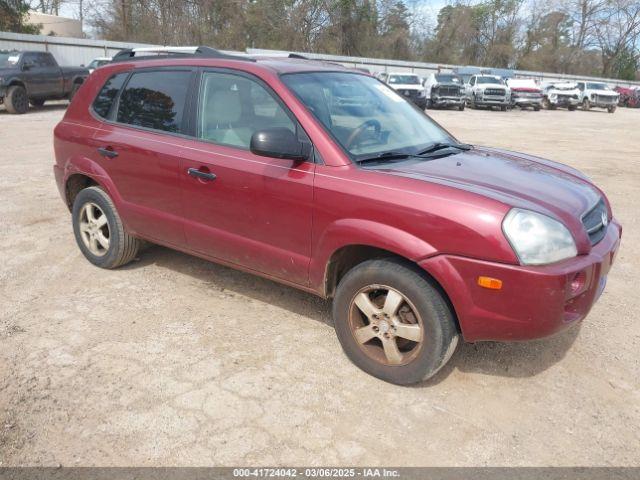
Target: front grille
494	91
595	222
409	93
563	97
448	91
605	99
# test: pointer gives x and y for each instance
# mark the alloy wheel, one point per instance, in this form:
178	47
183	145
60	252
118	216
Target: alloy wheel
386	325
94	229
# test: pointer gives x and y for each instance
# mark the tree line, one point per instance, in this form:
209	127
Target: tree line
588	37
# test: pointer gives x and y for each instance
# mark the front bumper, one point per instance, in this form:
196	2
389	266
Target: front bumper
447	101
534	302
520	101
493	101
564	102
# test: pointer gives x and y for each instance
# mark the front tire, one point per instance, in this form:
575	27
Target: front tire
99	231
611	109
392	322
16	101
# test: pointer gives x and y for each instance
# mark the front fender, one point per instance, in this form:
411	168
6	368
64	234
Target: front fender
352	231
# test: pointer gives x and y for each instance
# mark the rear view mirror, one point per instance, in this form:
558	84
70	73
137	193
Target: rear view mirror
279	142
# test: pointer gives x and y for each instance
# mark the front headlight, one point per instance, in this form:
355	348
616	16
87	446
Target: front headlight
537	239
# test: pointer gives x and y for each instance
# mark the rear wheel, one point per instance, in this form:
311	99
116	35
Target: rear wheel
392	322
99	231
74	90
16	101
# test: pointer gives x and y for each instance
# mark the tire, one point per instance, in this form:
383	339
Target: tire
74	90
433	321
586	105
461	107
16	101
37	102
611	109
121	247
472	103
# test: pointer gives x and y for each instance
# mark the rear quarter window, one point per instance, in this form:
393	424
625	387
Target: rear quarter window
104	101
155	100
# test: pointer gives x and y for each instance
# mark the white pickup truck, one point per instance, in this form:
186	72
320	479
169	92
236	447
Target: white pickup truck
597	94
560	94
488	91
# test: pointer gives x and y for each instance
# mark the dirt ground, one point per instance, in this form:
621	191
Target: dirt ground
176	361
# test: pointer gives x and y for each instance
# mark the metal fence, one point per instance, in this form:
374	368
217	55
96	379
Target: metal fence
80	51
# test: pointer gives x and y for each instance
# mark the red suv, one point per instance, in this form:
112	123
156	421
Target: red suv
325	179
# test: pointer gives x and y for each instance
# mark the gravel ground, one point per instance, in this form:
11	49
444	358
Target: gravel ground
176	361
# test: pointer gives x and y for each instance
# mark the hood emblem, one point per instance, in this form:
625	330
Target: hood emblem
605	219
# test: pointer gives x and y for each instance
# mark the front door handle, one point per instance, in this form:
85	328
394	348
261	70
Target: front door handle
107	152
194	172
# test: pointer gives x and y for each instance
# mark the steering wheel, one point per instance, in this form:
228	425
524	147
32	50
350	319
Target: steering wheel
361	129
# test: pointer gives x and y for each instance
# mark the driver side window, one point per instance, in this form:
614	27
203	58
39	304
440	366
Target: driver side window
233	107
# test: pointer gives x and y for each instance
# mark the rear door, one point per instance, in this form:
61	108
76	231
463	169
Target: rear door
52	79
244	209
140	144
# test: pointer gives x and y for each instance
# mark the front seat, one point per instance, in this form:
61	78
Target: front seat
220	119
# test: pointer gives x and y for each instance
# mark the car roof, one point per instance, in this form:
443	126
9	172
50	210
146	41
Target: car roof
277	65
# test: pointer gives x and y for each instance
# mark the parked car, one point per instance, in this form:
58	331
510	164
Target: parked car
97	63
525	93
408	85
629	97
35	77
488	91
597	94
420	240
560	94
444	90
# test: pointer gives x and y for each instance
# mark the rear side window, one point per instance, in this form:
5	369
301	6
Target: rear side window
155	100
104	101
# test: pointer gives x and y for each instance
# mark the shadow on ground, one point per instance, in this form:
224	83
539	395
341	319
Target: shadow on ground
516	359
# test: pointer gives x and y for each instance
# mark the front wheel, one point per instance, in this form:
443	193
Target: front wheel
16	101
392	322
99	231
611	109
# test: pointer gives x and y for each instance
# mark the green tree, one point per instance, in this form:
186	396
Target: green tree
13	16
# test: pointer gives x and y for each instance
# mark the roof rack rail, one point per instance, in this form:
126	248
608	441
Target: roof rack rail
151	53
297	55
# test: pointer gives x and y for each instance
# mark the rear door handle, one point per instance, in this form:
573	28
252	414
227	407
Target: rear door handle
107	152
194	172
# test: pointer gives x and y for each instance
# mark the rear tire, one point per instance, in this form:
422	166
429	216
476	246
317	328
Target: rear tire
99	231
16	101
409	332
74	90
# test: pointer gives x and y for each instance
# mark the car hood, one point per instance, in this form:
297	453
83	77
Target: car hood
560	91
447	84
514	179
606	93
406	86
4	72
492	85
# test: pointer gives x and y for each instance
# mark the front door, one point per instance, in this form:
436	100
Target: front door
244	209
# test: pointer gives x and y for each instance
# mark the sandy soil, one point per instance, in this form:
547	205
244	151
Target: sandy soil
176	361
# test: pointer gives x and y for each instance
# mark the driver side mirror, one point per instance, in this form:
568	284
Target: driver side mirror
279	142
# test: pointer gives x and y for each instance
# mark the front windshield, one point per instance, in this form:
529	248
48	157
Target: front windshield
489	80
448	78
8	60
405	79
97	63
363	115
597	86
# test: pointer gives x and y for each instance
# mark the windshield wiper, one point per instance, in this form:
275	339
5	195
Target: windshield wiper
428	154
441	145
